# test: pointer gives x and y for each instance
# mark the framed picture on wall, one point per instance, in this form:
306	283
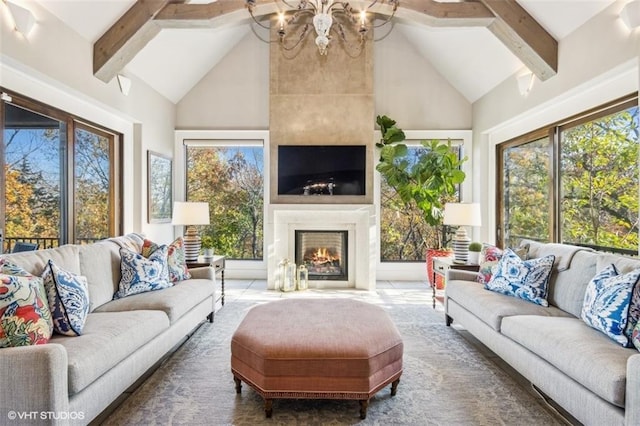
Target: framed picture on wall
159	188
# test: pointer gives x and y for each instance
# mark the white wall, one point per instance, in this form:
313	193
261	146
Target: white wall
54	66
598	62
233	95
410	90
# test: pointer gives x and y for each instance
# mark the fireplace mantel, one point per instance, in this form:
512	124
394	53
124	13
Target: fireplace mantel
358	219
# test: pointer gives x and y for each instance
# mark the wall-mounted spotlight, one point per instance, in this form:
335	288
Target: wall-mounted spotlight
23	19
630	14
124	83
525	82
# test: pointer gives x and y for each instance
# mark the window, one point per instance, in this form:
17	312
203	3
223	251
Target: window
526	189
575	182
229	175
58	174
404	235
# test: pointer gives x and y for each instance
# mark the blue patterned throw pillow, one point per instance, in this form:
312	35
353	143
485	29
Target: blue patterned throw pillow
525	279
606	302
68	296
140	274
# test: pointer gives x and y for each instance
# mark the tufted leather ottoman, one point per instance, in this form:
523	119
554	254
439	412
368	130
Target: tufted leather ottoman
317	349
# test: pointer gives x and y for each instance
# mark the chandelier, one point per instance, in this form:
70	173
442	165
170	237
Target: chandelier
324	16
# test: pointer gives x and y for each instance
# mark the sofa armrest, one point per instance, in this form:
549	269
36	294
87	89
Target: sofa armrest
204	272
459	274
34	379
632	401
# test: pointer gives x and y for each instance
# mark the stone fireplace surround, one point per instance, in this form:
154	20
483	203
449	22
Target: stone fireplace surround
358	219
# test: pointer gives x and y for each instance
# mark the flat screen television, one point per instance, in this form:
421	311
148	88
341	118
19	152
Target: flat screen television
322	169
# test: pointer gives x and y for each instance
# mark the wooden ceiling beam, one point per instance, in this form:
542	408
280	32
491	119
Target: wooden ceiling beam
525	37
122	42
506	19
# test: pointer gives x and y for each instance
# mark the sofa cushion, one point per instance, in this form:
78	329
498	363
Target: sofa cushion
489	257
606	302
68	298
573	268
108	338
140	274
34	262
635	336
174	301
25	318
526	279
492	307
574	348
100	263
176	262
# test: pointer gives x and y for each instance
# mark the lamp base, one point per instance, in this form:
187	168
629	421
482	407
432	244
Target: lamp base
460	244
191	244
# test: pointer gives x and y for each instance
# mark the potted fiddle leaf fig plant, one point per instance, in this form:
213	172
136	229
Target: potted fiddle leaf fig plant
426	181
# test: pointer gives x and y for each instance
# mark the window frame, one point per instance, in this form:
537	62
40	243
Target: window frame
71	123
553	132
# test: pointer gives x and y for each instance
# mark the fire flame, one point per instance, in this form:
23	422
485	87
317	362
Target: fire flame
322	255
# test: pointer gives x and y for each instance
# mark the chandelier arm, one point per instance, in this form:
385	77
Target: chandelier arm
347	45
386	21
253	30
302	6
387	34
303	35
256	21
296	15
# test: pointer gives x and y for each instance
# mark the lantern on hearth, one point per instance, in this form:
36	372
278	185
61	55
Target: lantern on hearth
303	277
286	275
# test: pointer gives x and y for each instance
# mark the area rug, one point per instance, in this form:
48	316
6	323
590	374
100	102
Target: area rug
446	379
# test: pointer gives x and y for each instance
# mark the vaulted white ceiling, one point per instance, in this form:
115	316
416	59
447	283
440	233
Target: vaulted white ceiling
176	59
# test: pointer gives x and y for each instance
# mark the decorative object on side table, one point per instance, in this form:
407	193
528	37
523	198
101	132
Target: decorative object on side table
207	248
474	252
191	214
461	215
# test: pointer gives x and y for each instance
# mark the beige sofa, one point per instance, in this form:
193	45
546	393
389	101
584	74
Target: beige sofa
593	378
71	380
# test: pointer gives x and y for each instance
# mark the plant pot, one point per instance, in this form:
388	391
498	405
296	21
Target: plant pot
431	253
474	257
207	254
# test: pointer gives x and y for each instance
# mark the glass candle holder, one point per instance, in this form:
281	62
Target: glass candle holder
303	278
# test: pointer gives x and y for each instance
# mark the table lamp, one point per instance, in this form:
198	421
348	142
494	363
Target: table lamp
190	214
461	215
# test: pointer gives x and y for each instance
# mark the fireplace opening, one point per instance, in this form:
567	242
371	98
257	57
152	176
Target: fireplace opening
324	253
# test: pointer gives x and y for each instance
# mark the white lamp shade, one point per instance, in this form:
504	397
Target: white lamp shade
630	14
462	214
190	213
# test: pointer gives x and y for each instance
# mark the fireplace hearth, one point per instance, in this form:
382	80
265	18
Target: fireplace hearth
324	253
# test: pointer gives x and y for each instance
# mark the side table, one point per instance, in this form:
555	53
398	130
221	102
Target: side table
218	264
440	267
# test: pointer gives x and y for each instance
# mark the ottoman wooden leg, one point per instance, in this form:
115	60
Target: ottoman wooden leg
394	387
268	407
364	404
238	384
